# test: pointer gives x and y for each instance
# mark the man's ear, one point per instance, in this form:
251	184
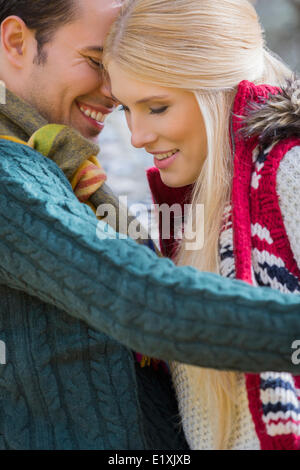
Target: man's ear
14	36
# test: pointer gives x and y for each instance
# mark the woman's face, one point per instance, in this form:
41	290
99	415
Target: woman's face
167	122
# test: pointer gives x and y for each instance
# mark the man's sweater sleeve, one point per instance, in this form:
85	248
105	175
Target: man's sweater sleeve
54	248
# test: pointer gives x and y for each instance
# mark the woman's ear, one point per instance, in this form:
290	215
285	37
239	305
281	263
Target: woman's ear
14	40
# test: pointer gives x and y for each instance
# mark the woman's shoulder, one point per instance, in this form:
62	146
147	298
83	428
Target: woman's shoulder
276	118
288	191
290	161
288	179
275	123
277	170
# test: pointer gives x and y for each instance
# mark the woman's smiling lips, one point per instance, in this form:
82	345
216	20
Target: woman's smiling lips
163	160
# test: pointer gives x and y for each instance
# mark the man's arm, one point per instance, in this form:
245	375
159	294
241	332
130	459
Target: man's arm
49	248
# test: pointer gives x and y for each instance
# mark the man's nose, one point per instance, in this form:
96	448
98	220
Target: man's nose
105	87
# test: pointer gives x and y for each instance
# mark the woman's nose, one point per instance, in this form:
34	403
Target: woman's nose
141	137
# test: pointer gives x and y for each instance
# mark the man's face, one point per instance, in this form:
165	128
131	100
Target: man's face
69	88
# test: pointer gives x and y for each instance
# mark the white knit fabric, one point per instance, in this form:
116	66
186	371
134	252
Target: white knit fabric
195	416
288	189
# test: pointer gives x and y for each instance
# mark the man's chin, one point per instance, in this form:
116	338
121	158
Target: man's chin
93	138
92	135
84	127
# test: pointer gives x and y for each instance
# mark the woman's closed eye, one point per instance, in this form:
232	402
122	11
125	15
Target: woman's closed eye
159	110
95	63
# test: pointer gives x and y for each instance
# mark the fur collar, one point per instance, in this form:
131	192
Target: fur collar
276	118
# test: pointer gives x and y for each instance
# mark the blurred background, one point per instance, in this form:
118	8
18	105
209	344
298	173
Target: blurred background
126	166
281	21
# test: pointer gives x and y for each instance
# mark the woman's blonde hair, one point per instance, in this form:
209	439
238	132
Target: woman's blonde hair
206	47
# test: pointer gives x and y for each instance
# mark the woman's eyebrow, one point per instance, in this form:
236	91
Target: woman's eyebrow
151	98
144	100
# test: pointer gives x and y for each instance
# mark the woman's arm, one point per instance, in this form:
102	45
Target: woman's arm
49	248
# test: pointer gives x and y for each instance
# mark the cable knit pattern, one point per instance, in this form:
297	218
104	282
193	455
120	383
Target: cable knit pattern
288	188
43	225
66	384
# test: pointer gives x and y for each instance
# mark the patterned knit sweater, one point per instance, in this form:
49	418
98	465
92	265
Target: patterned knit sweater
260	244
197	417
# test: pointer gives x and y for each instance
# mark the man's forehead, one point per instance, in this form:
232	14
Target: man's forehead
103	6
117	3
94	19
98	12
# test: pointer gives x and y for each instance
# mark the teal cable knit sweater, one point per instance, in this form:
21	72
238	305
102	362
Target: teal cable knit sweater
67	385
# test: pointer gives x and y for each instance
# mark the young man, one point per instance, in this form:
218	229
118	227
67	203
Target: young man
51	58
63	289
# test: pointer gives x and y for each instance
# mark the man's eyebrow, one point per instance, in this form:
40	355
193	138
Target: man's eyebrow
98	49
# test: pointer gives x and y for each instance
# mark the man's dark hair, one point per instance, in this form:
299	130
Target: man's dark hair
42	16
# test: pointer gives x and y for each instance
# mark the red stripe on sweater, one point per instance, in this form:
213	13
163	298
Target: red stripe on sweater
90	182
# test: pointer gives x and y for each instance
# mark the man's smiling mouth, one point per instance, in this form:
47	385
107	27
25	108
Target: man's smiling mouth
93	114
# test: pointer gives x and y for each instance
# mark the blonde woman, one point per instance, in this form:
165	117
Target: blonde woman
186	73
